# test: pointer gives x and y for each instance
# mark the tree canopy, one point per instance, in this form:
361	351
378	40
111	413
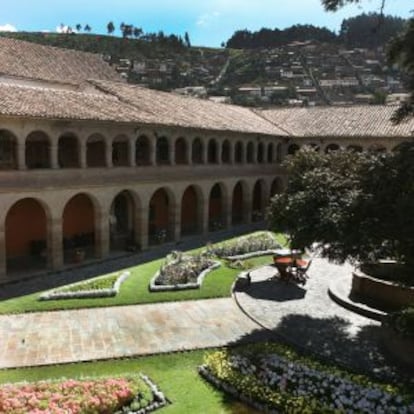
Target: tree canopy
355	205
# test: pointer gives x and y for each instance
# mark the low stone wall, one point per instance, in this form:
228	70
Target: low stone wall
381	293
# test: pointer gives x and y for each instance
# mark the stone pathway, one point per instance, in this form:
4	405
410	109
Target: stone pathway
308	318
102	333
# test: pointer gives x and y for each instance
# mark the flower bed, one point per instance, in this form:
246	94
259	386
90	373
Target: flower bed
274	379
101	287
182	272
257	244
108	395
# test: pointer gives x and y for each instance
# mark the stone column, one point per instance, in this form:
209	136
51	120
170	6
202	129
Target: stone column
102	235
244	153
55	244
247	207
3	256
82	153
53	156
227	200
232	148
153	149
171	154
189	152
204	216
141	227
175	217
219	150
131	152
108	153
21	156
205	150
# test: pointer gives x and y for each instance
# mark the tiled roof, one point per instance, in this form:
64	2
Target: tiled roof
351	121
177	110
33	102
33	61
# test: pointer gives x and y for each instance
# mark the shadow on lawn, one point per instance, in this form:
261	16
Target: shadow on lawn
329	340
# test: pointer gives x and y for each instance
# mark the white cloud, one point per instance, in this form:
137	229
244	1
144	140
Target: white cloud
7	28
206	19
62	28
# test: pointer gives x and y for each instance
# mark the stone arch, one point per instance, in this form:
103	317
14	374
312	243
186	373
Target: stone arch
143	150
79	228
8	150
68	151
258	201
331	148
238	203
270	152
197	151
238	153
191	217
161	216
260	153
225	152
37	150
122	219
181	151
378	148
276	186
26	236
355	148
163	151
212	151
216	207
120	151
293	149
95	151
250	153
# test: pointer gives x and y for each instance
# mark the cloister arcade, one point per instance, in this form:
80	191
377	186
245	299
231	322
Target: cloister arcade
48	230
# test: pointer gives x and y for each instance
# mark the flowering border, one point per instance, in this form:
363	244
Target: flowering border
85	294
182	286
252	254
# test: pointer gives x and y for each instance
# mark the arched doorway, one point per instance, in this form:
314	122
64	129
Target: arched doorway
37	150
26	236
216	209
212	152
250	153
142	151
180	151
121	222
163	151
120	151
237	206
8	149
276	187
260	153
225	152
197	151
78	229
68	151
159	221
190	212
293	149
258	204
238	154
270	151
95	151
331	148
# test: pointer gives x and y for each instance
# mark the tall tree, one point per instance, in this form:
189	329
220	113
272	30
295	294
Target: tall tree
87	28
187	39
110	27
78	27
137	32
401	52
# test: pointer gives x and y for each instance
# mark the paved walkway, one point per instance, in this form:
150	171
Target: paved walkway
91	334
307	317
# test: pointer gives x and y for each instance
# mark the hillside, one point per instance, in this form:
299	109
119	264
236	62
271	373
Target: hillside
300	73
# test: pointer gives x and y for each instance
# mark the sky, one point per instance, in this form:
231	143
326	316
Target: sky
208	22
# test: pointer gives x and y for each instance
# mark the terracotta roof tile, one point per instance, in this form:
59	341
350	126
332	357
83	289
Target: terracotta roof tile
350	121
33	61
170	109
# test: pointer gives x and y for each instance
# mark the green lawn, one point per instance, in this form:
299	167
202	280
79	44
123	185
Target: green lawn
135	290
175	374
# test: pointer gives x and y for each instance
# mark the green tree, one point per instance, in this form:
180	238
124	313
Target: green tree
187	39
78	27
87	28
401	52
355	205
110	27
